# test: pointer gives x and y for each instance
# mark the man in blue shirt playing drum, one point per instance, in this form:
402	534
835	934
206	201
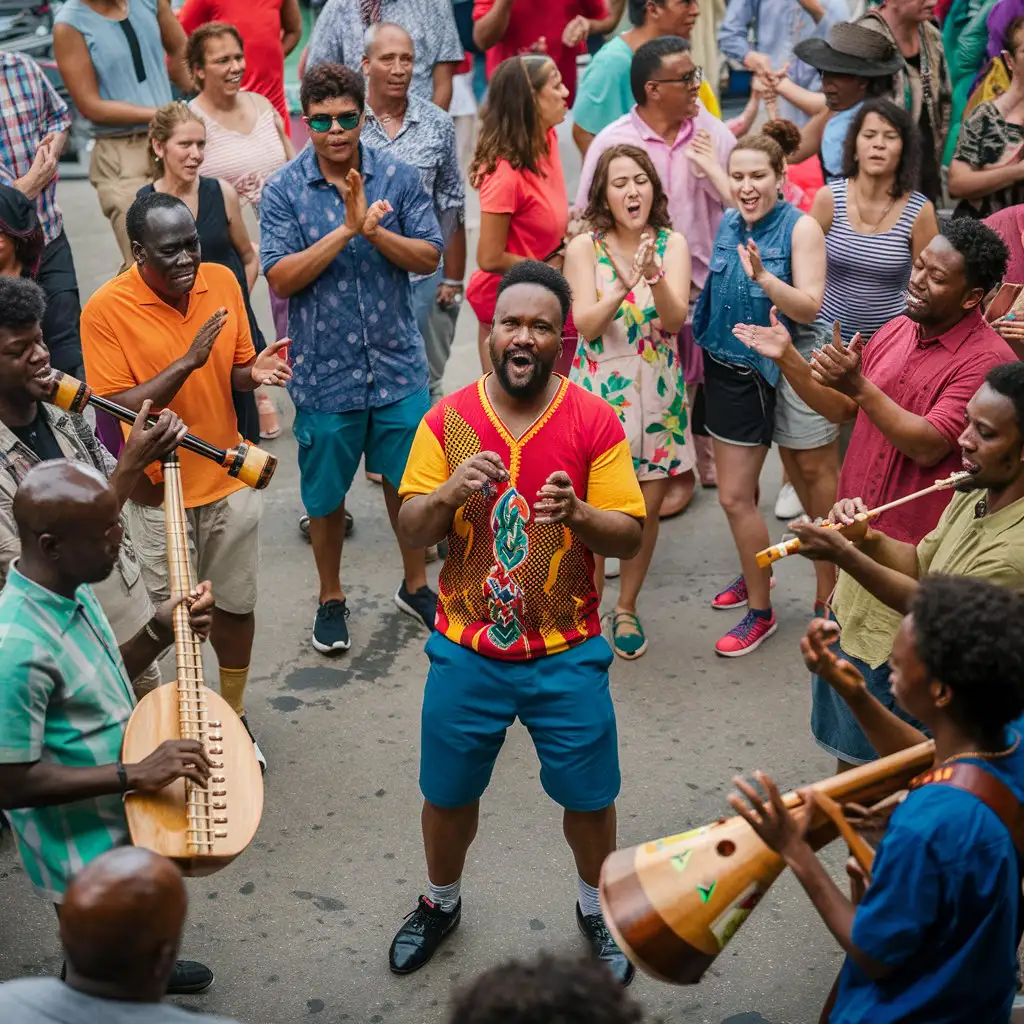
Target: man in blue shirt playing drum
935	937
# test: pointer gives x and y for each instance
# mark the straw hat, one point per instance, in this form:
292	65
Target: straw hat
851	50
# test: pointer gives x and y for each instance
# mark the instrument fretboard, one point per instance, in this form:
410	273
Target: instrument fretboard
192	717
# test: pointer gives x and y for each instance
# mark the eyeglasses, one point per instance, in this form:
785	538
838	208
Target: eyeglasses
694	77
323	122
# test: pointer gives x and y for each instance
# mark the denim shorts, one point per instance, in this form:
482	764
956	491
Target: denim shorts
563	700
332	443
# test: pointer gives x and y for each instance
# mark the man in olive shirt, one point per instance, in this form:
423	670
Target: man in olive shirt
980	534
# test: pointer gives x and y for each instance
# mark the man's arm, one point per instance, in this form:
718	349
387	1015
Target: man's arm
416	246
326	40
292	273
442	76
605	532
415	255
489	30
291	25
79	75
734	32
173	38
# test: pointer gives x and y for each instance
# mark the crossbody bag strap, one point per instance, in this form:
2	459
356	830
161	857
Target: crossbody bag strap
984	785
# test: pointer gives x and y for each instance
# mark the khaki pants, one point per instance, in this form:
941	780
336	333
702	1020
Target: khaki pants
128	608
118	169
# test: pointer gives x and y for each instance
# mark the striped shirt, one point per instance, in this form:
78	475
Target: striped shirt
867	277
65	699
29	110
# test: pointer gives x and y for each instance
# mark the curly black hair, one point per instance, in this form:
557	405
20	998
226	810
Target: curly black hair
1007	379
330	81
547	990
908	170
22	302
970	635
138	213
535	272
985	253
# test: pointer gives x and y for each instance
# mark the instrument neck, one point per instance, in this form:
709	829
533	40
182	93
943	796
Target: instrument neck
187	647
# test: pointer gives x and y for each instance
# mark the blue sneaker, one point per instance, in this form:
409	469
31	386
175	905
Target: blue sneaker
330	630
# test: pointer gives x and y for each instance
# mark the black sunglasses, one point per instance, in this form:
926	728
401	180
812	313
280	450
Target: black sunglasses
694	77
323	122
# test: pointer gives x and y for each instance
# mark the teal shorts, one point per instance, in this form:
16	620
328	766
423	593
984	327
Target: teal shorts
332	443
562	699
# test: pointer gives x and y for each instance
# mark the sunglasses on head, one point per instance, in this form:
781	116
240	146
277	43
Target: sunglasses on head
323	122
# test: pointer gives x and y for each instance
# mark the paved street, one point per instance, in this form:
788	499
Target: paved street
298	927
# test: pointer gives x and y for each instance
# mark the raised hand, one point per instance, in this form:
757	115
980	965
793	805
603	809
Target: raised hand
354	195
700	151
374	215
148	442
477	473
202	344
838	366
558	502
815	647
576	31
750	258
770	342
646	262
270	367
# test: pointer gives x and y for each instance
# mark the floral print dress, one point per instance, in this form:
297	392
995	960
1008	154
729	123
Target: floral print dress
634	366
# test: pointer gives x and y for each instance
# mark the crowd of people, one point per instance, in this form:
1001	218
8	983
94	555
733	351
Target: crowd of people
836	270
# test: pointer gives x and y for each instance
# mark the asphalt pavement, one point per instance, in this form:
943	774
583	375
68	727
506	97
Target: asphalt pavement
299	926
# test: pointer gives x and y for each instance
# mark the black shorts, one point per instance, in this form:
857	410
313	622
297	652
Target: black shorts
739	404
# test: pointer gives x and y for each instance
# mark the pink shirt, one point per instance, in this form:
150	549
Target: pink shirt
693	203
934	379
1009	225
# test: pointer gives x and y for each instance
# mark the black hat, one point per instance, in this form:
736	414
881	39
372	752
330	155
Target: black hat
851	50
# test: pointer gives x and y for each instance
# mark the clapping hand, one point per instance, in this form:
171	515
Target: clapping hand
770	342
750	258
558	502
271	368
576	31
477	474
374	215
700	151
355	201
838	366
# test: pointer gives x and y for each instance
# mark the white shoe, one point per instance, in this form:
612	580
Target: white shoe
787	505
612	568
260	759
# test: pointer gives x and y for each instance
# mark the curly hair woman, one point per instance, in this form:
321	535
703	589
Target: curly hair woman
630	279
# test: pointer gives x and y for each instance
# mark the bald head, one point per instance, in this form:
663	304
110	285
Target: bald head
386	34
388	64
67	518
121	922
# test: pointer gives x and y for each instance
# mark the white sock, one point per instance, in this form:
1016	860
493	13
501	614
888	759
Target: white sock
445	897
590	902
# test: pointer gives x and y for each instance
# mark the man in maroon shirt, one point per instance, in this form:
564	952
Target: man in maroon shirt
907	390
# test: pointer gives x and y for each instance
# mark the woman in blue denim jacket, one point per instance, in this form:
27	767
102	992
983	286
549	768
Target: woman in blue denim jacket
767	253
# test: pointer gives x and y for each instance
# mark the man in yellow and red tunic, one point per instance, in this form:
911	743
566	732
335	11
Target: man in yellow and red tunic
528	477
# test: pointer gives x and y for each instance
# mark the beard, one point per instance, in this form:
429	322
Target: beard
527	388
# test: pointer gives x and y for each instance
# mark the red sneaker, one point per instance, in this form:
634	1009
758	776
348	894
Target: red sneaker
746	636
734	595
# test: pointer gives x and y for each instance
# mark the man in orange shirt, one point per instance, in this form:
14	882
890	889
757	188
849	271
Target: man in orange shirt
176	333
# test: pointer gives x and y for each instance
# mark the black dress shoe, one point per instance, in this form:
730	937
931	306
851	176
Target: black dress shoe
605	948
188	978
417	940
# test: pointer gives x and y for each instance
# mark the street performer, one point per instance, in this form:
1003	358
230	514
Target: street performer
906	393
935	936
66	695
980	534
528	477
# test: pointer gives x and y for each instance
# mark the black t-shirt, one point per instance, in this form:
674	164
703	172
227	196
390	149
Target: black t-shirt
38	436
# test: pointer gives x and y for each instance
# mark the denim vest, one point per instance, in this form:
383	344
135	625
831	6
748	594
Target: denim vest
730	297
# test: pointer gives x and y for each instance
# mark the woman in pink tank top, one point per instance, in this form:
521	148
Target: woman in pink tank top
246	142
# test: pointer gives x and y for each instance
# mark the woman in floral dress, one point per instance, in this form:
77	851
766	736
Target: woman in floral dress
630	278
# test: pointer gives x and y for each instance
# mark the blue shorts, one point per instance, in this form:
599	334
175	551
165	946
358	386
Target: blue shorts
563	699
332	443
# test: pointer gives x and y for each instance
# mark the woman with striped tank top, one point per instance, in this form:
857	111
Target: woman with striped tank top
874	220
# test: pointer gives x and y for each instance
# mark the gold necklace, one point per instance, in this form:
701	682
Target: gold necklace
986	756
863	219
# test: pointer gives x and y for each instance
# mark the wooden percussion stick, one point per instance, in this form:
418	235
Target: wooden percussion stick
792	546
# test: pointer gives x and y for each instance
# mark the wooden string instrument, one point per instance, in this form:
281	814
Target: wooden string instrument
252	465
202	830
792	546
674	903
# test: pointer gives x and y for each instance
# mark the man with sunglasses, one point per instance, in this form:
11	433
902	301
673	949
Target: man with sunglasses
342	228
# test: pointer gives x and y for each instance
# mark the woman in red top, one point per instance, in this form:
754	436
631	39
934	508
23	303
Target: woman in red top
524	209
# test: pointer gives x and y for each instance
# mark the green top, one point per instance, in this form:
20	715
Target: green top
65	698
987	548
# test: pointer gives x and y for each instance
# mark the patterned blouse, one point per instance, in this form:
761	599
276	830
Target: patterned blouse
986	140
